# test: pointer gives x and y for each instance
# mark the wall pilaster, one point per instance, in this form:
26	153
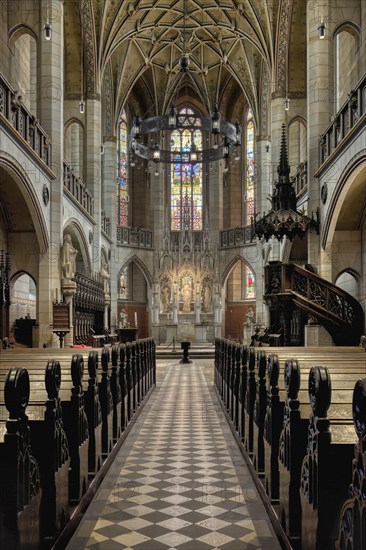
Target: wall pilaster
50	92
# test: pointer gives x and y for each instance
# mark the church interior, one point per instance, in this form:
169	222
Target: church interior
183	271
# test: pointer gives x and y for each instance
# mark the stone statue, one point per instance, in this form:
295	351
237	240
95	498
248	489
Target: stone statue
250	316
165	298
186	293
207	298
123	319
68	255
106	276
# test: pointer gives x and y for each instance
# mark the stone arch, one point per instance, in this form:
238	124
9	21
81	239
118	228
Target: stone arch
237	305
28	193
135	306
22	307
346	43
22	40
74	145
350	182
143	267
297	142
17	31
230	266
349	280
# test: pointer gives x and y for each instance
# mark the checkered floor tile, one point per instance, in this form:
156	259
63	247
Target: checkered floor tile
179	480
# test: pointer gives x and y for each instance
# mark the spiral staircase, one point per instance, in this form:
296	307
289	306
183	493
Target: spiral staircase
291	289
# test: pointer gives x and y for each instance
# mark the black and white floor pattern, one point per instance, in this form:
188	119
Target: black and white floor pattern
179	480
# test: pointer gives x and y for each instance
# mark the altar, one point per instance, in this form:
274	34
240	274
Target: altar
198	333
127	334
186	301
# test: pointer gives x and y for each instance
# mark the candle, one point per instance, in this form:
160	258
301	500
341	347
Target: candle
56	294
135	318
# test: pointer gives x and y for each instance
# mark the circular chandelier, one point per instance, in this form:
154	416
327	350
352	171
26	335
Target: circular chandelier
221	129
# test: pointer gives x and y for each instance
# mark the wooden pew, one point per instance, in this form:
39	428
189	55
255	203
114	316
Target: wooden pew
77	431
106	403
94	416
249	404
276	398
352	524
326	471
292	448
124	387
53	458
116	394
107	414
19	474
260	407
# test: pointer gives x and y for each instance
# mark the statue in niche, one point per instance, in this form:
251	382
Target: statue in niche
68	256
207	297
186	294
105	275
165	298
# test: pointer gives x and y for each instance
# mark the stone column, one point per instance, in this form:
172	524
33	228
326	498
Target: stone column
262	205
215	199
157	198
320	91
175	303
92	169
50	93
109	205
155	304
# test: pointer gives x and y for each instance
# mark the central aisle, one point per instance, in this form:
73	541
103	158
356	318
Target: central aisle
179	480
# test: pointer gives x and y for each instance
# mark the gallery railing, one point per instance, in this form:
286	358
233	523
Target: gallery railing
345	120
25	125
78	189
134	236
236	236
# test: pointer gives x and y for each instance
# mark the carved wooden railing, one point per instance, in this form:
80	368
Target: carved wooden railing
344	121
335	309
5	293
300	179
134	236
26	126
78	189
236	236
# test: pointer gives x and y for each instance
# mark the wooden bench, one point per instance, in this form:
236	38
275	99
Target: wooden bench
352	529
76	414
20	483
278	429
326	468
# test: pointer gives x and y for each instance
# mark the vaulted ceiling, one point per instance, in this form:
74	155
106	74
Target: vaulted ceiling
133	49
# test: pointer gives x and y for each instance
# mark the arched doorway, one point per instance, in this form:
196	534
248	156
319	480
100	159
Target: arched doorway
23	309
132	292
240	298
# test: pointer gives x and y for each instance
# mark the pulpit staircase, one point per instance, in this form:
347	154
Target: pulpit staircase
290	287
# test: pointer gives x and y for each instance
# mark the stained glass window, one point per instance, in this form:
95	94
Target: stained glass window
122	163
249	168
249	285
186	179
123	285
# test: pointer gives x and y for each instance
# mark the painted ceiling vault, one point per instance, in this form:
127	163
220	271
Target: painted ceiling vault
132	50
